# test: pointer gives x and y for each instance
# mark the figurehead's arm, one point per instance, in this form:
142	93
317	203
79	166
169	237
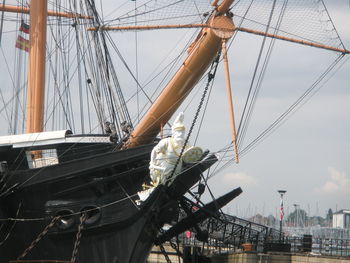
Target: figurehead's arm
159	148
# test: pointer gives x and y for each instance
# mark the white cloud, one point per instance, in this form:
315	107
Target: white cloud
339	183
240	179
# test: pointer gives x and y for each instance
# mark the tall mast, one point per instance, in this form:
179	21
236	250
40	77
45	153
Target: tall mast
203	51
36	70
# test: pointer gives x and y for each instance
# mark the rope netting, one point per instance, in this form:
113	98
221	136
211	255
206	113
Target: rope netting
69	49
302	19
163	12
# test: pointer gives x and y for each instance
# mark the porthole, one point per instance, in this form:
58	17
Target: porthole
66	218
93	214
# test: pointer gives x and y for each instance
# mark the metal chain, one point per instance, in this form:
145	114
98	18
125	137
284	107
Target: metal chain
78	238
176	248
40	236
211	76
173	245
162	249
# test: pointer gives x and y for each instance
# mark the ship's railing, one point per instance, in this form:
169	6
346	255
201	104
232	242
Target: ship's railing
229	233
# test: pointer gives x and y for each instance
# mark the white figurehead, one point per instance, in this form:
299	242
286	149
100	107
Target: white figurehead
166	153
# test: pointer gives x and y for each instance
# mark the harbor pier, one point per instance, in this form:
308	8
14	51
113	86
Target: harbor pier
246	257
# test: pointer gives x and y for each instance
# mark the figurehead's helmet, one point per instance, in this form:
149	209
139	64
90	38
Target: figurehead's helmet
178	124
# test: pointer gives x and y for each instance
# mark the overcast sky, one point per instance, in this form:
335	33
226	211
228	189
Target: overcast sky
308	155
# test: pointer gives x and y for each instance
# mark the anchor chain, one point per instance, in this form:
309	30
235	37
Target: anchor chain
173	245
40	236
176	248
211	76
78	238
162	249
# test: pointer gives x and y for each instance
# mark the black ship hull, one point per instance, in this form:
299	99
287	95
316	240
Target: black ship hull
103	187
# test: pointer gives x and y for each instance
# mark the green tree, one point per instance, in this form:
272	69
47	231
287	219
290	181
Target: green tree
316	220
297	218
271	220
329	217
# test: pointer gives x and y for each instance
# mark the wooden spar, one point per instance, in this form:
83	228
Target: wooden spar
224	6
145	27
229	97
302	42
26	10
204	51
36	71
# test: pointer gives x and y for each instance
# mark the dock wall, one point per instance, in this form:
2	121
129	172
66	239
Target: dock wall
275	258
157	256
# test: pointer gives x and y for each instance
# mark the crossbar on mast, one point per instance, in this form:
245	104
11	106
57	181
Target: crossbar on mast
302	42
146	27
26	10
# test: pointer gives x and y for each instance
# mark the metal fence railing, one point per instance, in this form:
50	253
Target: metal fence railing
322	246
305	244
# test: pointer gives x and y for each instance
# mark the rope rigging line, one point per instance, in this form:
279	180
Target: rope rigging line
334	29
108	90
117	8
122	106
251	97
68	79
2	20
137	69
88	83
318	84
101	82
206	105
171	66
66	65
127	16
14	96
233	38
194	94
18	104
13	225
73	214
161	10
128	69
61	95
81	102
305	96
60	46
211	75
65	68
128	197
262	74
17	186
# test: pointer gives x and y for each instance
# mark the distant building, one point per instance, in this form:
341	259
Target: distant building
341	219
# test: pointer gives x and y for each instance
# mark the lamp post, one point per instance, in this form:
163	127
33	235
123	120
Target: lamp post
296	223
281	192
